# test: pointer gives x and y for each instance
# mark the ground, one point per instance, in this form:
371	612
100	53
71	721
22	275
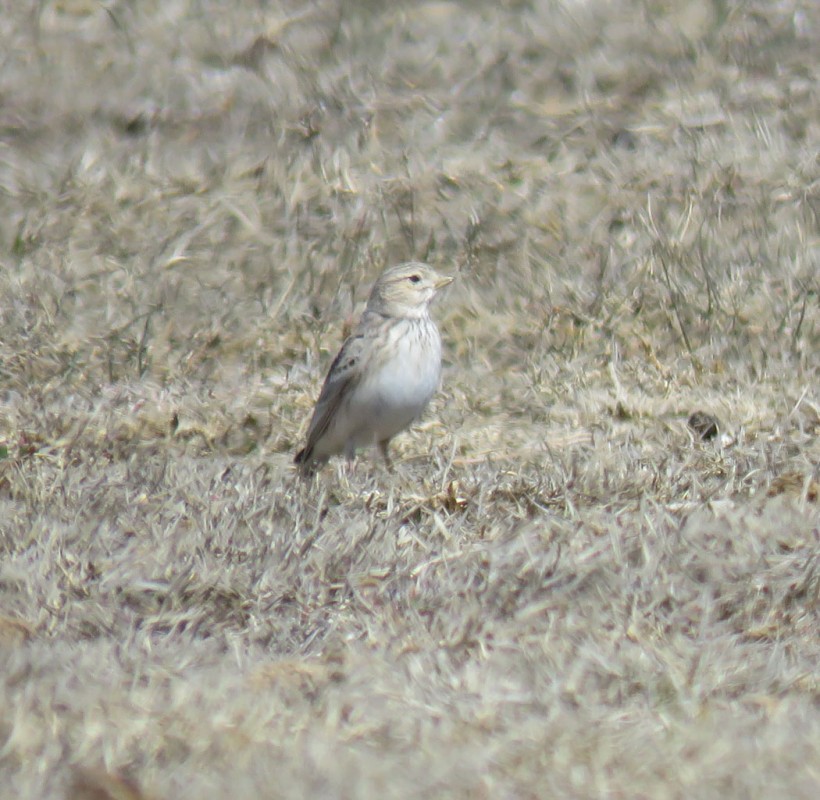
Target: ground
565	589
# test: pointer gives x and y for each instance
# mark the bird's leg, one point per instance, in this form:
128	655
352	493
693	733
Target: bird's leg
383	446
350	458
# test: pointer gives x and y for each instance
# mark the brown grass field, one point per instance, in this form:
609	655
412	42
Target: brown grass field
564	590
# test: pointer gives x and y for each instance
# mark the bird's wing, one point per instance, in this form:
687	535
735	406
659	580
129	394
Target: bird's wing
342	377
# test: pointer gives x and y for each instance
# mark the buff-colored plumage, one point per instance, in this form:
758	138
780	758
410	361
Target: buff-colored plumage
385	373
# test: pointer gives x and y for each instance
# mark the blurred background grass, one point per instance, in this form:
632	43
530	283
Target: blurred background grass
563	592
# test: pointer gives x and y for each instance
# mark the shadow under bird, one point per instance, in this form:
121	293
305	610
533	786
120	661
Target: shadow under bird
385	373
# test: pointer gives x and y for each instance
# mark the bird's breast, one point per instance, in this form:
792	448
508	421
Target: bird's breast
408	375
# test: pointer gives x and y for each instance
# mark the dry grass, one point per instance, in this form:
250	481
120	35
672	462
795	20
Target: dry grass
564	591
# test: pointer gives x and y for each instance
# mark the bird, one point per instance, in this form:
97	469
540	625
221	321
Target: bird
385	373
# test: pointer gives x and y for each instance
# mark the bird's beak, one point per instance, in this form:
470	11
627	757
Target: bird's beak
443	281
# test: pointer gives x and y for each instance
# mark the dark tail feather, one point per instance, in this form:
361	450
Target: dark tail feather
306	464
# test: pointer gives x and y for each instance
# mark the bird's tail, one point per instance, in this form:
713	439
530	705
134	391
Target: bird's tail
307	466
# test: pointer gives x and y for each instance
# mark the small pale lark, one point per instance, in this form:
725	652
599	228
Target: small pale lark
385	373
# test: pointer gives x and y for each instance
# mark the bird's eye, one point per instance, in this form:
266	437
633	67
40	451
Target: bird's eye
414	279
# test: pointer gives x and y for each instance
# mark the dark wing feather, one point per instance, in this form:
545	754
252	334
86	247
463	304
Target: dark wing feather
341	379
